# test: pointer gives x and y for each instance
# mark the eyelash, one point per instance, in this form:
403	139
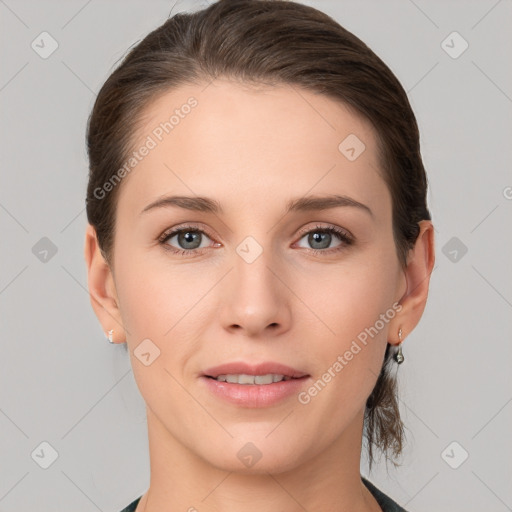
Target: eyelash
345	238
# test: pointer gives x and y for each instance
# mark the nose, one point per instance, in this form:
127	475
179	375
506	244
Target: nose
254	298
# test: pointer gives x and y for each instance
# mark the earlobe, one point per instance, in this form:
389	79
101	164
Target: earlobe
102	291
417	275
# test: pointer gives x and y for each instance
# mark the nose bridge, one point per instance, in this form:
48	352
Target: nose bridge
253	276
256	298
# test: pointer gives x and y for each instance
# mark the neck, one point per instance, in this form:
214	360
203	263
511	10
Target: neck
181	480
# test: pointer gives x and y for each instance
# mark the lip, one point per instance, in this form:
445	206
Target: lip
258	369
254	395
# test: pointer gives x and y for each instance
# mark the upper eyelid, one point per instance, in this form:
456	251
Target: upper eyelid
169	233
344	231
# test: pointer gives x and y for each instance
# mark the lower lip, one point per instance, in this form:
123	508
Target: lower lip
255	395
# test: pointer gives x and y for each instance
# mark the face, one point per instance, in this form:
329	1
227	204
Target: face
253	281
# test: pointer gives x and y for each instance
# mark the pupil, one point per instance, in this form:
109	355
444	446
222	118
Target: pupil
188	238
319	237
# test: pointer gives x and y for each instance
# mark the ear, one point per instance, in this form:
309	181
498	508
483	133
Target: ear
420	263
102	290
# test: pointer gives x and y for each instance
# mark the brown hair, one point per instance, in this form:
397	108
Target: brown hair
268	42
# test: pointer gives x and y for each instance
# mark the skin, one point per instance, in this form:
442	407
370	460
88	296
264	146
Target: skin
253	149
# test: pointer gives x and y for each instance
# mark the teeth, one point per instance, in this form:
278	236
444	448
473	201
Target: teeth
269	378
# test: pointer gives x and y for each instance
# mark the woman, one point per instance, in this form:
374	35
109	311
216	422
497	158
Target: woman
259	238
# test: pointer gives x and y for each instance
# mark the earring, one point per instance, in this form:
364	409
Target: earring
110	335
399	357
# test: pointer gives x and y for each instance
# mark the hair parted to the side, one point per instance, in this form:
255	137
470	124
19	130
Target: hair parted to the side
269	42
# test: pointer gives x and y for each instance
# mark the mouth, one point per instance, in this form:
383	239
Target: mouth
262	385
260	374
243	378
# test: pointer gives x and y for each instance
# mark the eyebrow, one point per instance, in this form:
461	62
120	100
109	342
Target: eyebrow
307	203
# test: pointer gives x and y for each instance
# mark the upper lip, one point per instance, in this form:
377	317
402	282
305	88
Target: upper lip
237	368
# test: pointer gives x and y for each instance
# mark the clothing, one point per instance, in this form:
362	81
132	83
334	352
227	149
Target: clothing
132	506
384	501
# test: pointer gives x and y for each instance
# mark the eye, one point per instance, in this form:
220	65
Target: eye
321	237
188	239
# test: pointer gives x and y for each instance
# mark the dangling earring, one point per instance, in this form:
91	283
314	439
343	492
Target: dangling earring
398	356
110	335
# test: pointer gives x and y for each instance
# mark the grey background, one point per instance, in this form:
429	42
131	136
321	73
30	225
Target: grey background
62	383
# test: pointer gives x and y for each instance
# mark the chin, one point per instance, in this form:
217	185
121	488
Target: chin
257	457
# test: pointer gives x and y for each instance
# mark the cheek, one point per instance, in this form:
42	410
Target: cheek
169	305
158	303
344	301
154	296
350	338
352	308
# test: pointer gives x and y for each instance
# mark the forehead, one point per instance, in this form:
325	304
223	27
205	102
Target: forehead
282	113
236	138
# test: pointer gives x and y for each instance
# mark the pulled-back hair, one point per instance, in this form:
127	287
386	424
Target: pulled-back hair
269	42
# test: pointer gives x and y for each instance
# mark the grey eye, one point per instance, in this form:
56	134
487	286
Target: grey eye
188	239
321	239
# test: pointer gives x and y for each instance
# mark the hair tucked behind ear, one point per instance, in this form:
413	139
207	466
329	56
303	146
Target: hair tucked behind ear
271	42
383	425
